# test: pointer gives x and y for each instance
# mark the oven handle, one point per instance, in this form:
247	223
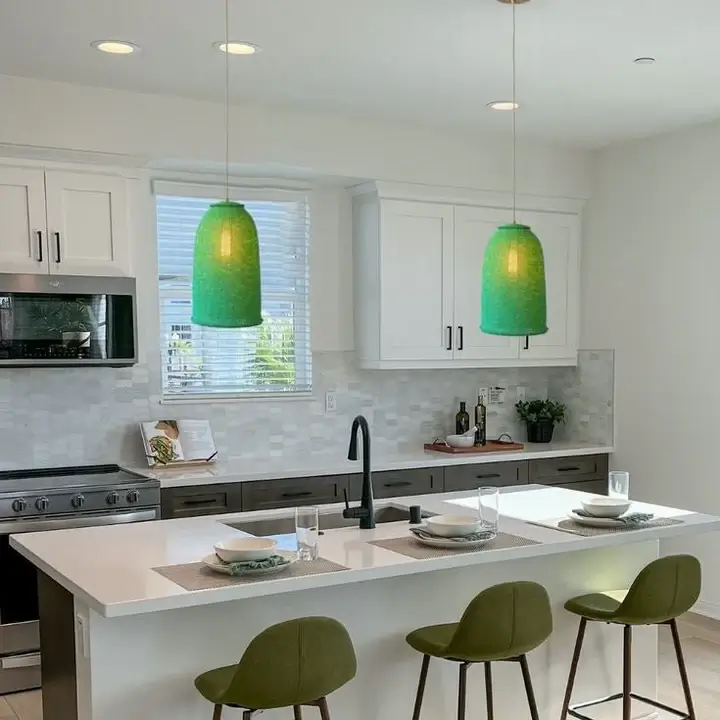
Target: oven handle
21	526
11	662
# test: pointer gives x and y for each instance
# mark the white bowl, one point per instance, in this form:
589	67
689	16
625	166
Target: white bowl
245	549
453	525
606	507
460	441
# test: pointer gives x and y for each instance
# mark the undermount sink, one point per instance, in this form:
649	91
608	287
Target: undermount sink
328	521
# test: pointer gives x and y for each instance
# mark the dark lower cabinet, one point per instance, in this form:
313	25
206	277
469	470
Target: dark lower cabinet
564	470
396	483
596	487
471	477
268	494
201	500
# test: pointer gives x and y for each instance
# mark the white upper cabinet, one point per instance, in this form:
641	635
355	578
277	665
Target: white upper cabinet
23	229
69	223
418	273
87	224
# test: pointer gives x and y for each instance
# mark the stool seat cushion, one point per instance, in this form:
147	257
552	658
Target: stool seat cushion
433	639
213	684
594	606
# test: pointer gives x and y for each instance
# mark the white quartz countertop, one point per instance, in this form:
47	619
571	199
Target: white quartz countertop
110	568
310	465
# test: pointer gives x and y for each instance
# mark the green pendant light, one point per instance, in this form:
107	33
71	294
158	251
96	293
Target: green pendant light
226	262
514	296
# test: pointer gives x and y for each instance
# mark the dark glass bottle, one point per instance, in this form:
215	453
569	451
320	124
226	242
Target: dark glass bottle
480	423
462	420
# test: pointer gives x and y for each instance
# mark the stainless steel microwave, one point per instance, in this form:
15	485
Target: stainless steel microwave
66	320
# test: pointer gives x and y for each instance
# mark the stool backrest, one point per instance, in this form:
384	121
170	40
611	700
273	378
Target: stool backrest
512	618
294	662
664	589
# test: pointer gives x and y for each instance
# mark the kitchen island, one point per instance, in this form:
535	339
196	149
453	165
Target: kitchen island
123	640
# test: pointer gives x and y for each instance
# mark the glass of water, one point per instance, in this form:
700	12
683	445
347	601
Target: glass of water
619	484
306	532
489	508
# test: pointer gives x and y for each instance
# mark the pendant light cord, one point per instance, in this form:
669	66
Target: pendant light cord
227	101
514	117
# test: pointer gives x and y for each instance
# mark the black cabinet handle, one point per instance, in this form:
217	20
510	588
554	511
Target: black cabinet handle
449	344
300	493
398	483
527	343
461	337
57	247
571	468
204	501
487	476
39	239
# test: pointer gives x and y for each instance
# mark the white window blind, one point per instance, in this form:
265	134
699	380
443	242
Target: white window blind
271	358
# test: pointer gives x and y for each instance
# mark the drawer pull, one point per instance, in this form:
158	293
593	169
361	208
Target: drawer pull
203	501
398	483
298	494
569	468
486	476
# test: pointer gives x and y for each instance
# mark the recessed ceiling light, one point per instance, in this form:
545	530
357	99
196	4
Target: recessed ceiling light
503	105
115	47
237	48
645	61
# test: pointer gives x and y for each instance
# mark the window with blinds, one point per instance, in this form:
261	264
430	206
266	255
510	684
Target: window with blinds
271	358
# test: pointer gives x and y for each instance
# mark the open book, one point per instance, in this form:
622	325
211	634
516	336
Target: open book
169	442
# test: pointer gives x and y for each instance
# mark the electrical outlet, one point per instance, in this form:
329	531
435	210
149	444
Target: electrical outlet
331	401
484	394
520	397
497	395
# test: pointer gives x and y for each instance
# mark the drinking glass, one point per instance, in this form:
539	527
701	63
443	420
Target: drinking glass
306	532
489	508
619	484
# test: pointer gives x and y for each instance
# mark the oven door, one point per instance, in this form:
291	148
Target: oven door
19	627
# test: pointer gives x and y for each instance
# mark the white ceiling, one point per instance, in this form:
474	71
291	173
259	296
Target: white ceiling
426	61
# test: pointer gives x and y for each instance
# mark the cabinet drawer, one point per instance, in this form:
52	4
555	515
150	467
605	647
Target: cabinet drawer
596	487
200	500
471	477
396	483
293	492
556	471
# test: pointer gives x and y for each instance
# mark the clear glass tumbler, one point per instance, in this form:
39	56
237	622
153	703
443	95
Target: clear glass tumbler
619	484
306	532
489	508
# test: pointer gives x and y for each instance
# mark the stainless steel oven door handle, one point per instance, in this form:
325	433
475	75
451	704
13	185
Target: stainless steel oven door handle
20	526
11	662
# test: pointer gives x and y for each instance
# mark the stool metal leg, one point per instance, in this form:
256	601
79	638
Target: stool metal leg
529	688
573	668
462	690
683	669
421	687
489	691
297	712
324	712
627	672
217	712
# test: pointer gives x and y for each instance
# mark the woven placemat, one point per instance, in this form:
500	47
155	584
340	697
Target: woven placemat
578	529
196	576
411	547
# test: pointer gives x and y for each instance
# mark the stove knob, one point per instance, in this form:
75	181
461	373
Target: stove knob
78	501
19	505
42	504
133	496
112	499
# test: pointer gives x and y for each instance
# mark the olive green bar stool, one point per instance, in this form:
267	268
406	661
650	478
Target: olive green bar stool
664	590
501	624
291	664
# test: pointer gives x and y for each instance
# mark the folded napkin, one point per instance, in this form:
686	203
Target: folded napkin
240	568
630	519
425	534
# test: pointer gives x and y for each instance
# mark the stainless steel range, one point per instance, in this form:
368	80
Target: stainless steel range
54	499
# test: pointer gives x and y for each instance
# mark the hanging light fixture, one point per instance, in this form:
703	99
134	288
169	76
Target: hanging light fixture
226	262
513	278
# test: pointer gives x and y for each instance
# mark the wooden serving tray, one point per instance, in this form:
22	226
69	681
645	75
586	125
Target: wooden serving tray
491	446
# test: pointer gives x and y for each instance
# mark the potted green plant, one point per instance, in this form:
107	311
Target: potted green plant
540	417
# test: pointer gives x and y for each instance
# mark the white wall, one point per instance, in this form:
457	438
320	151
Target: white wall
651	280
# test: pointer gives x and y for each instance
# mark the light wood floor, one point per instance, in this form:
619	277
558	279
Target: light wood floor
701	643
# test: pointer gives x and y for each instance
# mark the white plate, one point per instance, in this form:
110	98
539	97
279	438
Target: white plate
602	522
215	564
452	544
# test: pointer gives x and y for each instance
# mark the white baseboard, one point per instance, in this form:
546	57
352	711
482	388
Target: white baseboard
708	609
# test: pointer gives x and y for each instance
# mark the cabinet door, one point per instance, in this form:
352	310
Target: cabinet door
473	229
399	483
416	265
87	224
471	477
200	500
291	492
23	225
560	238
